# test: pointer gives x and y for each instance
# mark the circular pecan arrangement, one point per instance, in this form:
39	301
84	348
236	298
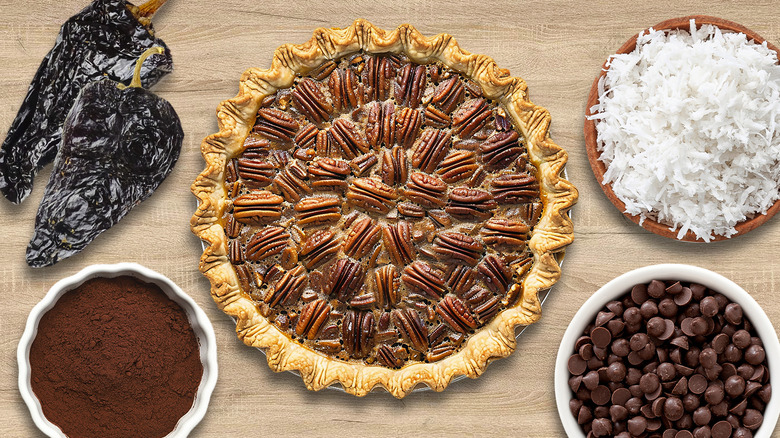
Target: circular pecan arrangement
383	220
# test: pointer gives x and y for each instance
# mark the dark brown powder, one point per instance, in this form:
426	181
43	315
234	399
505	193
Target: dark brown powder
115	357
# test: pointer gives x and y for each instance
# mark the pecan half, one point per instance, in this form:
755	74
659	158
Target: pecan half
387	285
372	195
343	85
365	301
426	190
329	174
290	183
363	164
323	70
386	355
245	277
357	331
398	242
344	278
235	253
318	210
500	149
288	288
466	203
458	165
423	277
411	327
452	310
257	207
411	210
380	127
266	243
495	273
431	149
307	136
255	173
515	188
470	117
322	145
457	246
347	136
313	315
232	227
275	125
311	101
460	279
531	212
505	232
483	303
378	74
502	122
394	167
439	352
436	118
410	85
319	247
361	237
407	124
448	94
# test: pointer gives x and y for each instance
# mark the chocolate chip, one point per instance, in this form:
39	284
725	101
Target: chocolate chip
755	354
615	307
574	406
649	383
673	409
603	318
648	309
620	396
618	413
732	353
687	326
698	291
734	386
742	432
683	434
637	426
600	395
719	343
667	308
616	327
575	382
721	429
616	372
591	380
680	341
739	408
741	339
697	384
714	393
577	365
733	313
684	297
752	419
621	347
708	358
702	432
699	326
702	416
586	351
728	370
708	306
666	371
632	316
601	337
690	402
674	289
681	388
639	341
639	294
584	416
601	427
582	340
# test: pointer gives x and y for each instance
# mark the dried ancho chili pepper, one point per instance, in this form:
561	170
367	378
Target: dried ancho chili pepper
118	144
103	40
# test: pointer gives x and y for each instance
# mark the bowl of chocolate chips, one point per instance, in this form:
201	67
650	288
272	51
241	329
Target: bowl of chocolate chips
669	351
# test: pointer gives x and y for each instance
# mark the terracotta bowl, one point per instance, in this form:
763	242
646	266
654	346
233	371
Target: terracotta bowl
590	131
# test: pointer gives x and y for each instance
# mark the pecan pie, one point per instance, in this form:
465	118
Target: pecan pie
382	209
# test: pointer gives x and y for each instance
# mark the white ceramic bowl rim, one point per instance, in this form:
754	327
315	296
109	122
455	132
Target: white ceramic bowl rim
623	284
197	318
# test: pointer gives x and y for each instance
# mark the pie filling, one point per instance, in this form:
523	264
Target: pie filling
380	210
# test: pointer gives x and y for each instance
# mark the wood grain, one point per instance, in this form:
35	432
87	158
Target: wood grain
556	46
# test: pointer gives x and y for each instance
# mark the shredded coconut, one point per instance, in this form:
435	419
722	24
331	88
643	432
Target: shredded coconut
688	129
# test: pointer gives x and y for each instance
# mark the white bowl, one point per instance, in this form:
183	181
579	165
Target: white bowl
201	325
622	285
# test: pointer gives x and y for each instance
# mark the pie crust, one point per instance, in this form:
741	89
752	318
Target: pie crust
547	240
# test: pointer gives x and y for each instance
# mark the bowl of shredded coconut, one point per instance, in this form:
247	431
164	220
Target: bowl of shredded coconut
682	129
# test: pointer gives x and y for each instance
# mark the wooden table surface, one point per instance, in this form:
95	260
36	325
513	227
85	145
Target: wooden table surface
556	46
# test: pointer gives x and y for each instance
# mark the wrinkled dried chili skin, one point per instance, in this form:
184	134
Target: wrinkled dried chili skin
117	147
103	40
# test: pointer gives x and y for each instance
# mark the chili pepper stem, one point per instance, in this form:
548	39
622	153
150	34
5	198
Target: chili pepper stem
148	9
136	82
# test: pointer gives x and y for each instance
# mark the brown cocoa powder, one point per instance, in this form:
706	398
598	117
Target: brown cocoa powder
115	357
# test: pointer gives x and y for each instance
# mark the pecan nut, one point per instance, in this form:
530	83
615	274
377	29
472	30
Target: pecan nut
457	246
531	212
388	285
515	188
343	86
423	277
329	174
318	210
275	125
411	327
346	135
458	165
407	124
386	355
234	252
436	118
255	173
257	207
431	149
505	232
460	279
357	332
398	242
312	317
495	273
290	183
394	167
362	165
410	85
500	149
311	101
448	94
411	210
471	117
452	310
380	127
307	136
378	74
426	190
319	247
483	303
372	195
466	203
344	278
266	243
288	288
361	238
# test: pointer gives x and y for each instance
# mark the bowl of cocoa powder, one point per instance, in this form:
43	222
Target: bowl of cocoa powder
117	350
671	351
